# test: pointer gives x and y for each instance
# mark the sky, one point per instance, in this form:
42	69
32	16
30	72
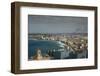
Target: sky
57	24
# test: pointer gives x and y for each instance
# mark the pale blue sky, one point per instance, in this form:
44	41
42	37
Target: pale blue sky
57	24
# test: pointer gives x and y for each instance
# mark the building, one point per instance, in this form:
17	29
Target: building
61	54
38	55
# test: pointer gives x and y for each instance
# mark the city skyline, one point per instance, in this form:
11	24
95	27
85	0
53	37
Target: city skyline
57	24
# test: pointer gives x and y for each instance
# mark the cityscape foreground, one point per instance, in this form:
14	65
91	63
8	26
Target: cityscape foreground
73	46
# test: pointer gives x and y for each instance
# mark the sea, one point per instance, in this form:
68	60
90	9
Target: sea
43	45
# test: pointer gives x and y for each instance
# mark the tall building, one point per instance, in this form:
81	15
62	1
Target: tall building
38	55
61	54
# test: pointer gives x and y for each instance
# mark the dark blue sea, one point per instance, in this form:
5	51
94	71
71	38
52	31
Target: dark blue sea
44	45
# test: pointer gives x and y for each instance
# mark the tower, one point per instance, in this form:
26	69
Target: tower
38	55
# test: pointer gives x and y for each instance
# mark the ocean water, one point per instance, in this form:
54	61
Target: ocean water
49	45
44	45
